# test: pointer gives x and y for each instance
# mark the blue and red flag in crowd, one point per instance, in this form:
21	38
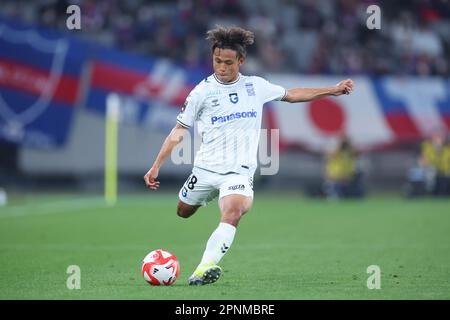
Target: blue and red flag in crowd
152	90
39	84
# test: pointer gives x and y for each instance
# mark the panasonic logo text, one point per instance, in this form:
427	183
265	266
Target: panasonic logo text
233	116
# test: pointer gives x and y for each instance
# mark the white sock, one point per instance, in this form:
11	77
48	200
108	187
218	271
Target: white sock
218	243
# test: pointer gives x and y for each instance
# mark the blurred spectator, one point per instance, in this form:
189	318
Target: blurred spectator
3	197
432	175
342	178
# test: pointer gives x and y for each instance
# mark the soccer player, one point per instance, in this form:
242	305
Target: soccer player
224	106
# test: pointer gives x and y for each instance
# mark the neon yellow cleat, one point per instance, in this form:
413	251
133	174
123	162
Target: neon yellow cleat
205	274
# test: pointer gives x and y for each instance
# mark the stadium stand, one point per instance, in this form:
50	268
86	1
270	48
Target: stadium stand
333	32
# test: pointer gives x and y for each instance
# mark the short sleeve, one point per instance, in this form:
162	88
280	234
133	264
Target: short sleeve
190	109
270	91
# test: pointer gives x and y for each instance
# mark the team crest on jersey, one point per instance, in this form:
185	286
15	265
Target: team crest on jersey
250	89
234	97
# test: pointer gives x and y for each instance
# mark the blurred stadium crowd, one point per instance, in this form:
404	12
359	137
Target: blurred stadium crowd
293	37
303	36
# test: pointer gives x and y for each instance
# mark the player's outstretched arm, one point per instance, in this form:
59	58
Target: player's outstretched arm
174	138
309	94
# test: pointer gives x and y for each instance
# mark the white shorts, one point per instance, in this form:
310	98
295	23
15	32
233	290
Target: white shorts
202	186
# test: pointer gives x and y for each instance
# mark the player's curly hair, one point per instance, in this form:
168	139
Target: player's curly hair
233	38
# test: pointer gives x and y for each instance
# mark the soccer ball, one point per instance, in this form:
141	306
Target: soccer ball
160	267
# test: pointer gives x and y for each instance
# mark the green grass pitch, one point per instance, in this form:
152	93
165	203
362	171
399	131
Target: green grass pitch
286	247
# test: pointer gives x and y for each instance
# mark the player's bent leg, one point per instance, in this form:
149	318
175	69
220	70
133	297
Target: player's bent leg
185	210
233	207
197	191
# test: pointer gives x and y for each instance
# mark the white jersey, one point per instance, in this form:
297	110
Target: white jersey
228	116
